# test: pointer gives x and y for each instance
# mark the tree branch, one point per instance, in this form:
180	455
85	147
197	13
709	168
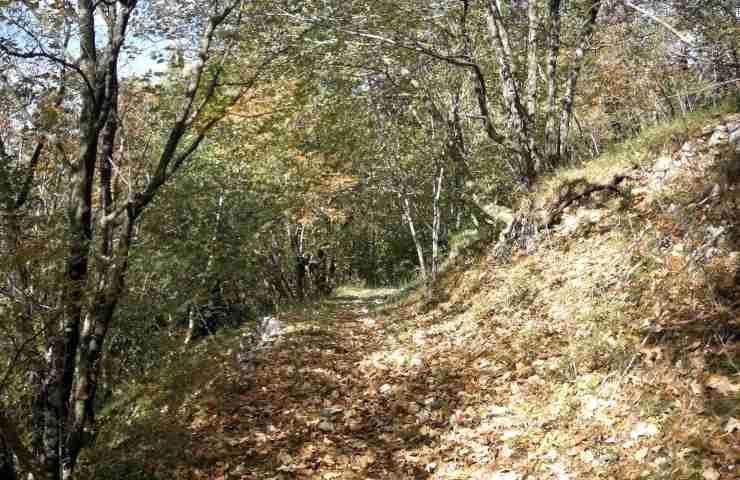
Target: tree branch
658	20
36	54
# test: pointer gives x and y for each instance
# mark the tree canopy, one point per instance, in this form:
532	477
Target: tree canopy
171	168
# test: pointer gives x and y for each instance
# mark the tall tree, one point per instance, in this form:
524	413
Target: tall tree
74	337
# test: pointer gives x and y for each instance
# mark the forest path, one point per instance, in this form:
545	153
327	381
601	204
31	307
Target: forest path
360	386
319	403
357	387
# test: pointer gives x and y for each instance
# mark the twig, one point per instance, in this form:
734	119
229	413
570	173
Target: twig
567	201
634	357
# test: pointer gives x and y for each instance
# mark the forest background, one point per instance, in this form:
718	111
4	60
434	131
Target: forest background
284	148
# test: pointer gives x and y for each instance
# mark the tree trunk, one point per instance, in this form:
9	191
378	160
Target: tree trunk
436	220
518	120
532	67
414	237
532	59
213	304
301	262
66	393
62	352
280	282
457	147
552	134
481	94
570	92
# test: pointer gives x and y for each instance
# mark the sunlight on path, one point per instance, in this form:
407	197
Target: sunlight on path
313	409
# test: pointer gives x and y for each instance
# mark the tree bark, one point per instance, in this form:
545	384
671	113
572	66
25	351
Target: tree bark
417	241
532	59
532	67
552	134
570	92
519	125
436	220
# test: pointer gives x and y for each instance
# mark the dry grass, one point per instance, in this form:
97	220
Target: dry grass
611	351
636	153
609	348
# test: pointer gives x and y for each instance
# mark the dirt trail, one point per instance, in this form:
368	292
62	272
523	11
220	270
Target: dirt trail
316	406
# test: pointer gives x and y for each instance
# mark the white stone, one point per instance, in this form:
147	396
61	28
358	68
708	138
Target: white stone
734	139
718	137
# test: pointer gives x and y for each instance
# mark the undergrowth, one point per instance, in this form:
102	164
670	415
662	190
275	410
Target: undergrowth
609	351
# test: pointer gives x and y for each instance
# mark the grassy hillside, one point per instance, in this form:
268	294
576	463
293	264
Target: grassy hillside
611	349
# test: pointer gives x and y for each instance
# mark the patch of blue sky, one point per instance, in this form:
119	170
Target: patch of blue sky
146	57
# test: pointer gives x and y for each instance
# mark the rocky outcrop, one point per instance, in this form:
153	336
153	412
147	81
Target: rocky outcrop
715	151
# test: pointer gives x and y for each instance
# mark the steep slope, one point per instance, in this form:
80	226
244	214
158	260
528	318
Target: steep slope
609	349
612	349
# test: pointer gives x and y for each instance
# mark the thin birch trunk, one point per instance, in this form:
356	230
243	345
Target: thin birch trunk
436	221
570	92
552	134
532	67
518	120
417	242
532	59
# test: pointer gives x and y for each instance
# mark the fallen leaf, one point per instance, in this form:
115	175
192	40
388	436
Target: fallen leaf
733	425
697	388
722	384
710	474
644	430
641	454
497	411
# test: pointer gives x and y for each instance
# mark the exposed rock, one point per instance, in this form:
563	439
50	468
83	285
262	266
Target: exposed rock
326	426
719	136
267	330
666	168
734	138
582	217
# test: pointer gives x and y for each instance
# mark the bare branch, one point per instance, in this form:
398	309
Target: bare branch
647	13
38	53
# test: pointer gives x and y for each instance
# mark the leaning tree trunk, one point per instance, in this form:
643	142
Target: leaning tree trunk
478	79
570	92
520	128
417	242
532	67
552	134
436	220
